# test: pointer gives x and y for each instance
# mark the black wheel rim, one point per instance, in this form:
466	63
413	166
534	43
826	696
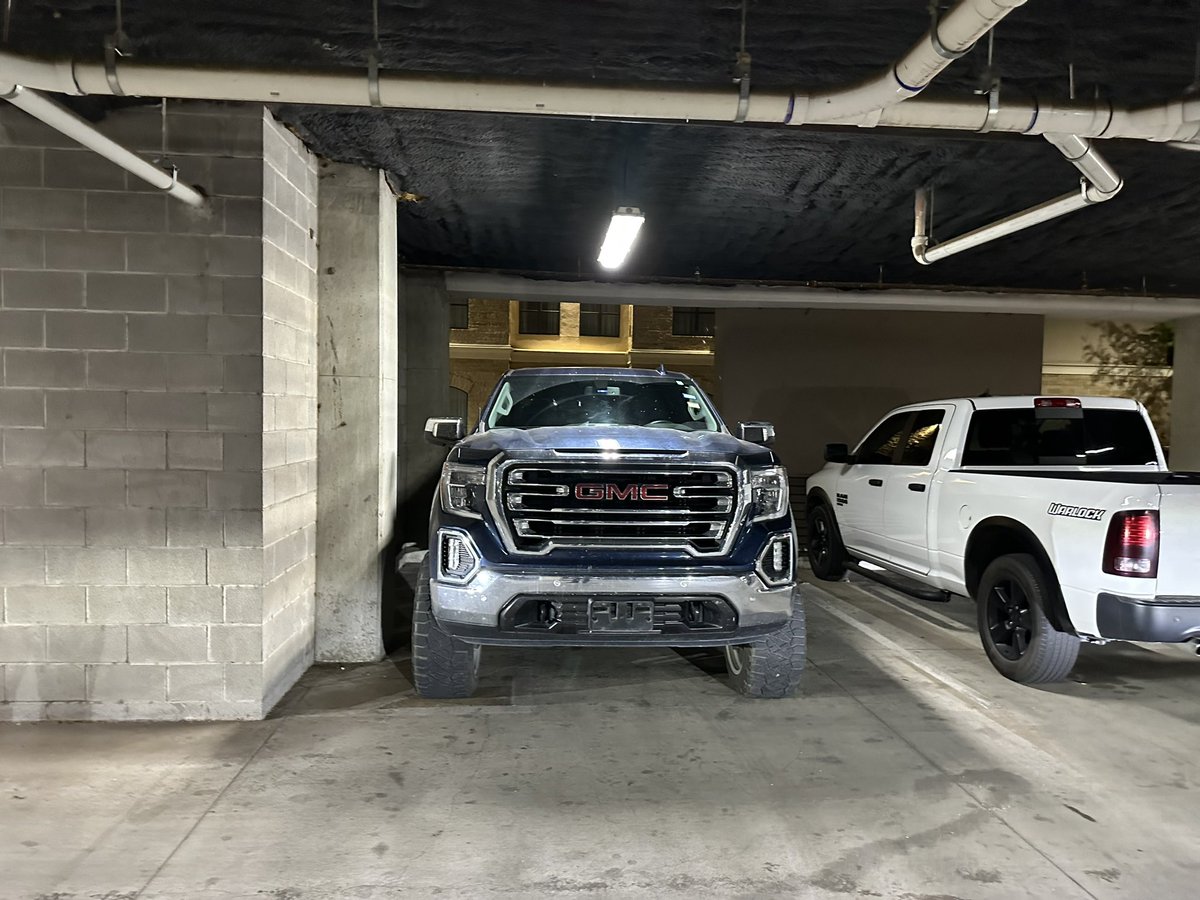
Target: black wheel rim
818	540
1009	619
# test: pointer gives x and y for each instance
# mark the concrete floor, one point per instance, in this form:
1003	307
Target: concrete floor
907	769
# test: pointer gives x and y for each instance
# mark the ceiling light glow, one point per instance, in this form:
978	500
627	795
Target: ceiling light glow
622	232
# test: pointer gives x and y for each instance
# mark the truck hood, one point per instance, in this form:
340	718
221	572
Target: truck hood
617	438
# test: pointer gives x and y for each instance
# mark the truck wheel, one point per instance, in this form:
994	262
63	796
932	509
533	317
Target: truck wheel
443	666
771	668
1017	636
826	554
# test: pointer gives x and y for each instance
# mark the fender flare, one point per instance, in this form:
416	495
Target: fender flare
1020	539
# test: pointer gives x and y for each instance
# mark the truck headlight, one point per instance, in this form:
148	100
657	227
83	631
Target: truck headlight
776	562
768	493
464	490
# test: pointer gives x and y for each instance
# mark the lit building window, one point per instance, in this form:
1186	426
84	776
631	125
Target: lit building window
599	320
538	318
693	321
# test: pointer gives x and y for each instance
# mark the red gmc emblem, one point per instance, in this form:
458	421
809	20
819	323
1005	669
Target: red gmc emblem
648	493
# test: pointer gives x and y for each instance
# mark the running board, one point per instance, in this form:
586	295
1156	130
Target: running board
902	584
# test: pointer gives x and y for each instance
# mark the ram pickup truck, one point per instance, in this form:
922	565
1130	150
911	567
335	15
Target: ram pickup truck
608	507
1058	515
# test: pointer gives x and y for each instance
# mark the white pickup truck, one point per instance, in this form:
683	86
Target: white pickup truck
1058	515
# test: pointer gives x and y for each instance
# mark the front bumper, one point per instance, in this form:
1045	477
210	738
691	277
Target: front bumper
474	611
1166	620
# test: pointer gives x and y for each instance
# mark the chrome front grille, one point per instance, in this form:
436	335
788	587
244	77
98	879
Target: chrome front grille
544	506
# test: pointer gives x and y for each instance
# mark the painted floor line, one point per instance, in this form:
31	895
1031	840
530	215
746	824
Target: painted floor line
922	610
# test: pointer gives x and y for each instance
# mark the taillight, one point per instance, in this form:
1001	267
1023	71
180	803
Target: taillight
1057	403
1132	545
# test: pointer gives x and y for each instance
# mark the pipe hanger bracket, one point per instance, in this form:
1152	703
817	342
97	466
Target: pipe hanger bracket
741	77
115	45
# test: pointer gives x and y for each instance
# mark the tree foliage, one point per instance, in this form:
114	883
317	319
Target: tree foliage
1131	360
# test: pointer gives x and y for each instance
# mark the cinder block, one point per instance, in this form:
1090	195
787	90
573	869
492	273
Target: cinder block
127	371
82	169
85	409
234	412
235	643
41	290
173	411
44	527
41	208
41	605
42	447
78	251
195	528
88	567
221	136
86	643
22	487
243	682
243	374
122	684
126	527
235	566
45	368
274	449
126	605
235	334
20	167
170	333
208	220
237	177
195	295
243	528
173	487
126	449
166	566
43	683
235	490
22	406
274	375
121	291
242	296
195	373
237	256
205	682
167	643
85	330
84	487
244	452
22	643
21	249
301	445
244	216
19	328
200	605
166	253
127	211
194	450
243	605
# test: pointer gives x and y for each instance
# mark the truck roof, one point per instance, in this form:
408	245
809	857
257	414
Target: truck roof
611	371
1027	400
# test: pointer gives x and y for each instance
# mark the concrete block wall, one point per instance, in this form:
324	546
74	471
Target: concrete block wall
134	421
289	407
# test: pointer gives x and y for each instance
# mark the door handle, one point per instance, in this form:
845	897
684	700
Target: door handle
914	486
875	482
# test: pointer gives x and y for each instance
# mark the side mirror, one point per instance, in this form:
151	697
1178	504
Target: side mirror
837	453
445	431
757	432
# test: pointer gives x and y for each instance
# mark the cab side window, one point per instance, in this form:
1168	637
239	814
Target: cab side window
918	446
880	445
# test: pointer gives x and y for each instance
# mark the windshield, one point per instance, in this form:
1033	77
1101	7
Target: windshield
657	401
1017	437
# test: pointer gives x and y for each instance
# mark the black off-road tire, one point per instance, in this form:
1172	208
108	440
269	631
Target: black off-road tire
826	553
1018	638
771	668
443	666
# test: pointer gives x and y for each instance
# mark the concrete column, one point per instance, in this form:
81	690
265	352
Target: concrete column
356	422
1185	397
424	392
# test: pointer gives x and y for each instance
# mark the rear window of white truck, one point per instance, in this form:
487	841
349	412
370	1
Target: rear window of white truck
1019	437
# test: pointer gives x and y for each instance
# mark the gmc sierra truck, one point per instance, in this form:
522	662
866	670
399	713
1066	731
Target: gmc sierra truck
1058	515
608	507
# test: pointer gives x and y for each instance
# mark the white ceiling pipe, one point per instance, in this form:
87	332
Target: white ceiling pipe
485	286
1099	183
78	129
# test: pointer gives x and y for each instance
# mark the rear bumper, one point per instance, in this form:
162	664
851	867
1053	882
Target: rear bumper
475	611
1166	620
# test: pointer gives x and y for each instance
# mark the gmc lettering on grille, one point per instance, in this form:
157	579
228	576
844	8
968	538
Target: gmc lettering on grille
645	493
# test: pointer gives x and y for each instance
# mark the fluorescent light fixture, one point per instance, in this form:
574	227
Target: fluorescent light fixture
622	231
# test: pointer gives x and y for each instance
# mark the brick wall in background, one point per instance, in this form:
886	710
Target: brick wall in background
138	446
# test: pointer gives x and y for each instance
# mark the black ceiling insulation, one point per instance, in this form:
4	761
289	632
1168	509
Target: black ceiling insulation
723	201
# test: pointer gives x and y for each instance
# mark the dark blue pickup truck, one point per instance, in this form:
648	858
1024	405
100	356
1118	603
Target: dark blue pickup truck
608	507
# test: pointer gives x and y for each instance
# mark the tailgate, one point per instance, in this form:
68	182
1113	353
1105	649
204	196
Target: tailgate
1179	560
